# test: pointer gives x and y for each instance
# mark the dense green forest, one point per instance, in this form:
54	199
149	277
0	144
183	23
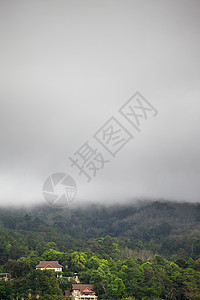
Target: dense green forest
146	251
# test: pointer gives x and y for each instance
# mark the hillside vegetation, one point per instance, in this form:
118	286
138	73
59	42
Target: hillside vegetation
145	251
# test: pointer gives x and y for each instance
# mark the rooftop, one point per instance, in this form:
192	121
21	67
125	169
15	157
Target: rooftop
83	287
49	264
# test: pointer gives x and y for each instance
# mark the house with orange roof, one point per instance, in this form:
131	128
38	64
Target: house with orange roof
82	292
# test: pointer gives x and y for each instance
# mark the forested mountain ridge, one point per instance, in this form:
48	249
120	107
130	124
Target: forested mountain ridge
160	227
146	251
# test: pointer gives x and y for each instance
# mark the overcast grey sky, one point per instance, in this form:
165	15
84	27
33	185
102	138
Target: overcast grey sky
68	66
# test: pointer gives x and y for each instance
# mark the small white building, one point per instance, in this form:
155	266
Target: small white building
82	292
50	265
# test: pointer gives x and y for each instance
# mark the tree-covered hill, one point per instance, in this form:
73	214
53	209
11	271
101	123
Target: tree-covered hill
146	251
166	228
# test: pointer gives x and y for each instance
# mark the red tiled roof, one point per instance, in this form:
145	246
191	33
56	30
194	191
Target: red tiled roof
88	291
82	287
49	264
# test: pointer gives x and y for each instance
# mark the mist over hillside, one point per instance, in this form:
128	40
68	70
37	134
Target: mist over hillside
161	227
99	149
146	250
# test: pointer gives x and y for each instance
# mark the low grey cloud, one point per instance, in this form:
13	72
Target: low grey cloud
68	66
